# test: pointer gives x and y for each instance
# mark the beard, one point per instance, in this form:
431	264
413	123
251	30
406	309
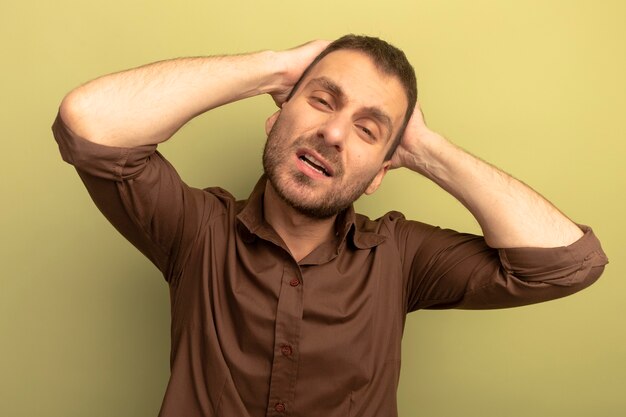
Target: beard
303	193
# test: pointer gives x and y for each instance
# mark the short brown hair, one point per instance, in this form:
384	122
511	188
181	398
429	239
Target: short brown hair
388	59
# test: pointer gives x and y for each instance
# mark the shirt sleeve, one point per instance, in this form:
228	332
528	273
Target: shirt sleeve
447	269
141	194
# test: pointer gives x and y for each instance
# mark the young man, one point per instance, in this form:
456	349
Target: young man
289	303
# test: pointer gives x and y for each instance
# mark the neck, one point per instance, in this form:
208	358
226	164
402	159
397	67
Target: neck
300	233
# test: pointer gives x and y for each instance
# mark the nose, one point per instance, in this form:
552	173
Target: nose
334	131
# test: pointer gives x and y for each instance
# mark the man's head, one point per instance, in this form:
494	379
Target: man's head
334	137
388	59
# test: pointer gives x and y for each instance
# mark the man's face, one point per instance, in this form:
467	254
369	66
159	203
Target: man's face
327	144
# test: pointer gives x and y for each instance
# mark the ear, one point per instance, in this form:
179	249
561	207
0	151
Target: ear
269	123
378	178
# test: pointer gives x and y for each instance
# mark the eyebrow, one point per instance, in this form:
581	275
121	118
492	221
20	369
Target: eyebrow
329	85
337	91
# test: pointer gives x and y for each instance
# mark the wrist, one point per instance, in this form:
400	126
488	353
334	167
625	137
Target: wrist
273	81
280	77
428	153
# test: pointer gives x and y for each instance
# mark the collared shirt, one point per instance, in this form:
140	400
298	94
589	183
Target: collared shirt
255	333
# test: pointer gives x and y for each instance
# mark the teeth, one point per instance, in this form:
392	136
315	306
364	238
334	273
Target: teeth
312	159
315	164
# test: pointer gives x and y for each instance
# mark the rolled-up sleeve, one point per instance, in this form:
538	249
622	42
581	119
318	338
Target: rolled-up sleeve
140	193
447	269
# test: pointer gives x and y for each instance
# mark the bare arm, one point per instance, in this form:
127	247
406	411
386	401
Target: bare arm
147	105
509	212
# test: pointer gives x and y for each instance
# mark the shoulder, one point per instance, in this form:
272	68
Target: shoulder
391	222
395	229
391	228
380	225
214	202
221	194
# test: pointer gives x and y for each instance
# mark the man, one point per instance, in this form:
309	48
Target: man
289	303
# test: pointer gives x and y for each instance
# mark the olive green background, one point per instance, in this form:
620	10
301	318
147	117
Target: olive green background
536	87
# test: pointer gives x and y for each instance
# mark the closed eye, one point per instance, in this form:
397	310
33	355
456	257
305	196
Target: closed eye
320	104
321	101
367	132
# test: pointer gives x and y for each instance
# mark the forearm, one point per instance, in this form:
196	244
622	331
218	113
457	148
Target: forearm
147	105
510	213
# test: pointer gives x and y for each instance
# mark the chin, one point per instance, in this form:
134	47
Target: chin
323	205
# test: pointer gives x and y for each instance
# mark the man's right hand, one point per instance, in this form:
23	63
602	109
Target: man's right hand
295	61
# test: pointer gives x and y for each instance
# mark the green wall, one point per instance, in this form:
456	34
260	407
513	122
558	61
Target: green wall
535	87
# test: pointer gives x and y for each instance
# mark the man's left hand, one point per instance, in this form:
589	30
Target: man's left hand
417	138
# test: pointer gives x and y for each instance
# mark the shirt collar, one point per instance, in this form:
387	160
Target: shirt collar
350	227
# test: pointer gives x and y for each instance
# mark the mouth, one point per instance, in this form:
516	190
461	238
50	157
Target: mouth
315	163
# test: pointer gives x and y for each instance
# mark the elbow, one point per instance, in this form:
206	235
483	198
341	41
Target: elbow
593	259
77	115
72	111
591	269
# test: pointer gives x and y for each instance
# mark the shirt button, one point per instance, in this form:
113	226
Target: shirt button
294	282
286	350
280	407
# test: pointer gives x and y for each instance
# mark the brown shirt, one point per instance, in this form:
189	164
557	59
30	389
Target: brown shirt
255	333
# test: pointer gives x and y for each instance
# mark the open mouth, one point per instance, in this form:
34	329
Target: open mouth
314	163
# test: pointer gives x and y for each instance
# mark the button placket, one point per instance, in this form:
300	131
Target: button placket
286	336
